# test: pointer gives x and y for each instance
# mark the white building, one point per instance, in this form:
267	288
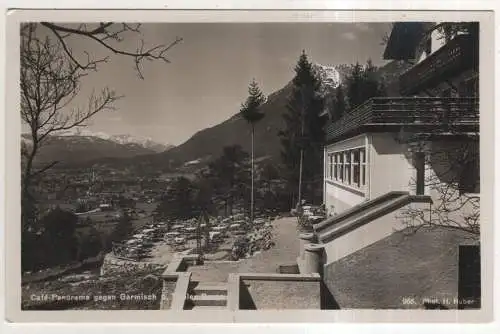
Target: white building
367	154
396	162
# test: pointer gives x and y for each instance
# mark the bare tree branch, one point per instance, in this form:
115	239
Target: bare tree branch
50	80
447	169
102	36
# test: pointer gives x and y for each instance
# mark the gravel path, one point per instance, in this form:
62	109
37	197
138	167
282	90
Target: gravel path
285	251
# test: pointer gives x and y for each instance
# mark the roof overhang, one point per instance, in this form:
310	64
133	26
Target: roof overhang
404	40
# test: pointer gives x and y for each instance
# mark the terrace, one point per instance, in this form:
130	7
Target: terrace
423	114
251	283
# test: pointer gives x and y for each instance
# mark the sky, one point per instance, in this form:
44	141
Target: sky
209	71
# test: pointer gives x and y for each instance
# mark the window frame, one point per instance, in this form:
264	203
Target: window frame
349	167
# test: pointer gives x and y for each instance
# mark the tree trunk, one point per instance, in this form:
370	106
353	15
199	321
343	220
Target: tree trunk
28	200
252	191
301	163
300	176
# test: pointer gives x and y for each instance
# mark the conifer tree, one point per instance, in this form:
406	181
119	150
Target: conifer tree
355	86
373	85
303	136
251	112
339	104
363	84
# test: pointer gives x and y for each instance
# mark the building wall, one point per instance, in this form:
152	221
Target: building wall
453	199
338	199
387	169
434	43
390	165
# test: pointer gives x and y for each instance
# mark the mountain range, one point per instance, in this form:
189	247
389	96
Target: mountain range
206	144
77	147
123	139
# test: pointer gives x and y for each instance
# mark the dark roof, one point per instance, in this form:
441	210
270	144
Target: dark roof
404	39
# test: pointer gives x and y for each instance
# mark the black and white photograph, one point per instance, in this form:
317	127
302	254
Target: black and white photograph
250	166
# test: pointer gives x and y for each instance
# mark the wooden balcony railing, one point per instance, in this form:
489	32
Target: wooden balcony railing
459	54
391	114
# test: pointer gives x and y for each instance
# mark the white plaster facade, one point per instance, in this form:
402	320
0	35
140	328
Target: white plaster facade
388	168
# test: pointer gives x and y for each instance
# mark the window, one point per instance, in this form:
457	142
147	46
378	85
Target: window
341	170
362	154
335	174
348	167
327	166
355	168
330	169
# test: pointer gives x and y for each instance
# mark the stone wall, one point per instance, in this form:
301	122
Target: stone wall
279	295
116	266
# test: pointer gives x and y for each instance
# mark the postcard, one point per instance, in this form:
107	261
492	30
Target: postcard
257	166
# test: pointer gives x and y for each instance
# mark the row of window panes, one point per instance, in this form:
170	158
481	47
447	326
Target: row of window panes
348	167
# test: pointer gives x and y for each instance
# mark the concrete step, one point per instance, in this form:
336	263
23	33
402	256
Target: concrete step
210	289
209	300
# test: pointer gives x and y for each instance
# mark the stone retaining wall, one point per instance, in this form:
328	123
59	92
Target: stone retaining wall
114	266
255	291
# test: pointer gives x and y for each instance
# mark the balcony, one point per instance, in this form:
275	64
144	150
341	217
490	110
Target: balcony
458	55
424	114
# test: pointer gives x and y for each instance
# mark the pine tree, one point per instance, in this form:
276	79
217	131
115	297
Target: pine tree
363	84
373	83
251	112
339	104
303	136
179	200
355	86
229	174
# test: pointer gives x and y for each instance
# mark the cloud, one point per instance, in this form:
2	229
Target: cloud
362	26
350	36
356	29
114	118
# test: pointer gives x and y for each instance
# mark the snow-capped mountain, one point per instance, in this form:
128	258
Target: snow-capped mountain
142	141
76	150
329	75
83	146
123	139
